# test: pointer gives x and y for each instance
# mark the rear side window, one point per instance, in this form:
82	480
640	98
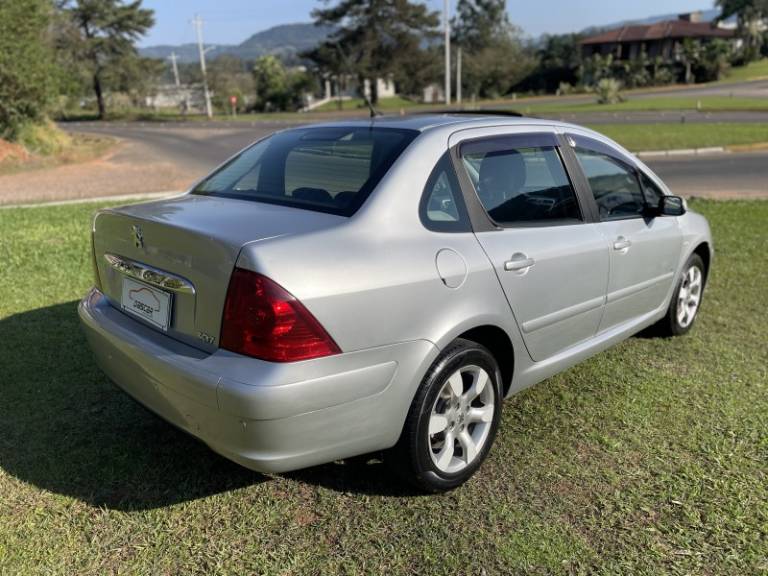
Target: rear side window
324	169
442	205
521	184
614	185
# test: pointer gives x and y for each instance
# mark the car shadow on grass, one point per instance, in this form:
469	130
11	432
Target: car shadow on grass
66	429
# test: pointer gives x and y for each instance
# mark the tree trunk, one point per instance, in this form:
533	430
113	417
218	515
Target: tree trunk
99	96
374	91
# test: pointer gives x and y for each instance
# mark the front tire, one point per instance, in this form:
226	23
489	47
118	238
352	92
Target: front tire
452	421
686	299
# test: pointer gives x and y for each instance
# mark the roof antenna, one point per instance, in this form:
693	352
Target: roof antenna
367	101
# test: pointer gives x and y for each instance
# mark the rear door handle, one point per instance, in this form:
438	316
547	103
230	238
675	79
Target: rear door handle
519	262
622	243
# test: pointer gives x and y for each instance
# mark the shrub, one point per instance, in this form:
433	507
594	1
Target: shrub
27	78
43	138
608	91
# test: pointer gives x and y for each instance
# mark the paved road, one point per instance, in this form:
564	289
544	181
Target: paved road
198	148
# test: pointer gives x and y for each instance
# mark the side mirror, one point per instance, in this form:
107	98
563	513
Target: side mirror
671	206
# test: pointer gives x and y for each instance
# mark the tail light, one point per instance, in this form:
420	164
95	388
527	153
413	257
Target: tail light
261	319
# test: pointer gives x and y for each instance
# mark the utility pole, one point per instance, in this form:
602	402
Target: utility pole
447	26
458	75
197	22
172	58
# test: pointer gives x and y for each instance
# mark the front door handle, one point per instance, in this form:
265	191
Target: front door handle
518	263
622	244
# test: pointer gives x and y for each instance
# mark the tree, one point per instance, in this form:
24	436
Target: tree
559	62
27	71
377	36
494	57
479	24
278	88
751	15
107	31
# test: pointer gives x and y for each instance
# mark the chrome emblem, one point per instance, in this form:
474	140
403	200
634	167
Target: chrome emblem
138	236
207	338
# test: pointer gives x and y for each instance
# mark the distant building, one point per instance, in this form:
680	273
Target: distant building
186	98
433	94
662	39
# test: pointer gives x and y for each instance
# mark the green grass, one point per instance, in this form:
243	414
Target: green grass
656	104
752	71
639	137
74	148
650	458
384	104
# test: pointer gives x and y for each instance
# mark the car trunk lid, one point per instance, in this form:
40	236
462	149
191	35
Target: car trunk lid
187	247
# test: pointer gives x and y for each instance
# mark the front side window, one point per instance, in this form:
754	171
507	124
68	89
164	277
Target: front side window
653	193
323	169
614	185
521	184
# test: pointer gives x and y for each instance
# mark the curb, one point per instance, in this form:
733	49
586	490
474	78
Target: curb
681	152
119	198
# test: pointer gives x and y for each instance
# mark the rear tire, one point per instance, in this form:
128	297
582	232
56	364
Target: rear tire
452	421
686	299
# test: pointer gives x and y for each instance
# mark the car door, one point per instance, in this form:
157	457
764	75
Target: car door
550	259
644	249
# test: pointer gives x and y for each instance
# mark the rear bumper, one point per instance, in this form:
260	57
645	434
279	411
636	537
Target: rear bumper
266	416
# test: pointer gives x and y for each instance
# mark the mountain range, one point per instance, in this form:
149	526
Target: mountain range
285	41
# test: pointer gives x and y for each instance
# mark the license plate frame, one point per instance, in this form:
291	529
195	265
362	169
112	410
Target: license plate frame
143	301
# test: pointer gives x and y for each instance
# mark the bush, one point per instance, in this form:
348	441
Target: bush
608	91
43	138
27	78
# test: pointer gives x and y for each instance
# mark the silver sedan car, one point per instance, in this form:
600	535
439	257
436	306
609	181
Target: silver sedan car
381	286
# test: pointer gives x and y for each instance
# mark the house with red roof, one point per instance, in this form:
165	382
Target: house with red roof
661	39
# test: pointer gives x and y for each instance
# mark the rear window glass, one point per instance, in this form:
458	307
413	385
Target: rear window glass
324	169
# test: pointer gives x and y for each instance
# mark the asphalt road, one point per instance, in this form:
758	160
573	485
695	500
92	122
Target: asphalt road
197	148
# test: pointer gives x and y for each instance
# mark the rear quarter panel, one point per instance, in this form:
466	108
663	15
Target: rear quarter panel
373	281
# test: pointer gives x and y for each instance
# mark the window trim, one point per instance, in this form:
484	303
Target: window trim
463	224
481	220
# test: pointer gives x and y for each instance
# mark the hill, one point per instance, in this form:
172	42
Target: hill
285	41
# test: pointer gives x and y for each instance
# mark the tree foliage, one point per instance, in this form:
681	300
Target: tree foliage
278	88
751	16
377	37
494	58
104	42
27	71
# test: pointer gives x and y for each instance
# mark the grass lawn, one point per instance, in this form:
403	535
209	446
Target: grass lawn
651	458
656	104
752	71
639	137
384	104
83	147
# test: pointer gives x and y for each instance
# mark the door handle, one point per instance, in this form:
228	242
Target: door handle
518	263
622	244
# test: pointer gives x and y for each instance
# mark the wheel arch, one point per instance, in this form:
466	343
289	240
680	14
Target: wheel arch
499	344
704	251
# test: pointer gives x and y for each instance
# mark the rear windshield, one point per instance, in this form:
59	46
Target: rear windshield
324	169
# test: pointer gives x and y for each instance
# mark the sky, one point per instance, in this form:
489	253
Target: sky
232	21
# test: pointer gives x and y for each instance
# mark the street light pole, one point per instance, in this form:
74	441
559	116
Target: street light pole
175	69
447	26
197	22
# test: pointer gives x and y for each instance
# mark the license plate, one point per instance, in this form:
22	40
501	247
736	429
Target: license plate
146	302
